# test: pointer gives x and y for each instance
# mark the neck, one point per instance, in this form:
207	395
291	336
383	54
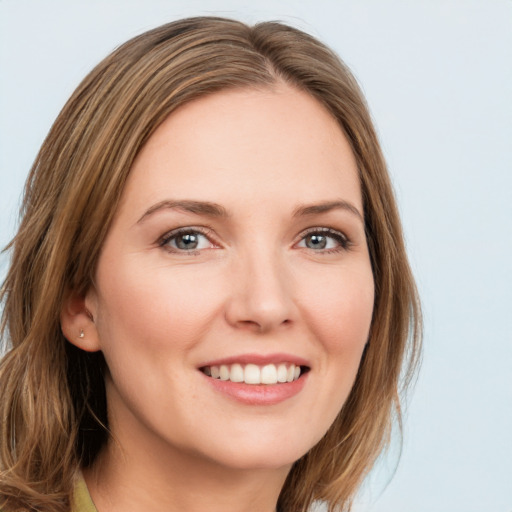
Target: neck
176	481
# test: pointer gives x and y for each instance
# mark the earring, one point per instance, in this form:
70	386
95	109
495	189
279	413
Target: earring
81	335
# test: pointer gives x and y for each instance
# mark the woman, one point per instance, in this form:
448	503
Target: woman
209	302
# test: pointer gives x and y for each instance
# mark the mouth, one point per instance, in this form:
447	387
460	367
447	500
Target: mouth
253	374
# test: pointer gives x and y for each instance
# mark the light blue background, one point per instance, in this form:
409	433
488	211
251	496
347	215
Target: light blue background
438	78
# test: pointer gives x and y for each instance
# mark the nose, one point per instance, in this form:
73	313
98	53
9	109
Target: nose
261	297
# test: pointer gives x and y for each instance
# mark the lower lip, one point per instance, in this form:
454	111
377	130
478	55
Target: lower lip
258	394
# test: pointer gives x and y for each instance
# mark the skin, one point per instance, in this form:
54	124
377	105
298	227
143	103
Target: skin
255	284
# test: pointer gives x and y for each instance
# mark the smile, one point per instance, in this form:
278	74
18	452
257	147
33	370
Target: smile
255	374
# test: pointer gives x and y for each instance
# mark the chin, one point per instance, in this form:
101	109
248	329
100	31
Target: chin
247	460
264	451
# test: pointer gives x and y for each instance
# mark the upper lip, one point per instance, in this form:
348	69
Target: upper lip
258	359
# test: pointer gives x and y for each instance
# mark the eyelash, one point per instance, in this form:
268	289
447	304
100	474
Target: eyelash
175	233
341	239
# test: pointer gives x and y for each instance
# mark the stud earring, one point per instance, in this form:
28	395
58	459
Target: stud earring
81	335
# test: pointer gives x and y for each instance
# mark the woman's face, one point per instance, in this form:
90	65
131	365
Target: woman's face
237	255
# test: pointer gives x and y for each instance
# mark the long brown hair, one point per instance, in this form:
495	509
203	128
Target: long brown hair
52	409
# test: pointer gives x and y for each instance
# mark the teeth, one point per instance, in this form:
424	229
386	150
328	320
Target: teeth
269	374
237	373
224	372
282	372
254	374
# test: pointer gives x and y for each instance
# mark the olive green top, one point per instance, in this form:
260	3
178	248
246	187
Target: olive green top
82	501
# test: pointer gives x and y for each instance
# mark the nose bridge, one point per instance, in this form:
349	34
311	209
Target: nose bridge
262	289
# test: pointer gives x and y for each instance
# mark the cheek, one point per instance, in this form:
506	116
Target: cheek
149	306
341	311
338	316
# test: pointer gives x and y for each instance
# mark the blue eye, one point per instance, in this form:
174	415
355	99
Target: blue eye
186	240
324	239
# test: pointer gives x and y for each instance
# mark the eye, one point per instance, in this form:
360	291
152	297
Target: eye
324	239
186	240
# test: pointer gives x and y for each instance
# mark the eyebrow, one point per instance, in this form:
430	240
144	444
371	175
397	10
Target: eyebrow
196	207
327	206
216	210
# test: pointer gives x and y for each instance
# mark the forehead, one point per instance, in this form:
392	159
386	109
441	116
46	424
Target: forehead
235	144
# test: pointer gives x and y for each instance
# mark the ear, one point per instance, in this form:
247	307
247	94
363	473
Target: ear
77	322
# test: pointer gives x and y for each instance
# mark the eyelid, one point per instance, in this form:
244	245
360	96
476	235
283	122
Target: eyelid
165	239
342	239
340	236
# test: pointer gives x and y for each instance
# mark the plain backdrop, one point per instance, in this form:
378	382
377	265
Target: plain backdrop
438	78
